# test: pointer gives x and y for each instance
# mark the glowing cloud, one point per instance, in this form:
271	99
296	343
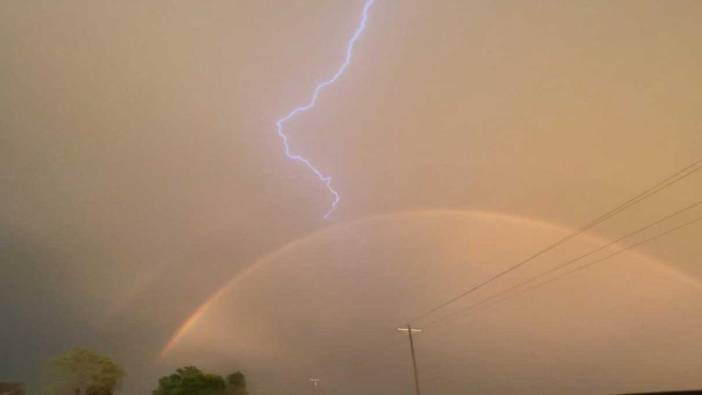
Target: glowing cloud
280	124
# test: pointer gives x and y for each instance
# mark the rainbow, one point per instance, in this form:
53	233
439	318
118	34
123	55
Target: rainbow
194	317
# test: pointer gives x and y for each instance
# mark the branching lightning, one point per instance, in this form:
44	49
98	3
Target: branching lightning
326	180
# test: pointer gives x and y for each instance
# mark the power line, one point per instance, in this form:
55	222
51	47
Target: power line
505	294
665	183
582	267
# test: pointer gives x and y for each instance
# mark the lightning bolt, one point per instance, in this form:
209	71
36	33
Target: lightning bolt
280	124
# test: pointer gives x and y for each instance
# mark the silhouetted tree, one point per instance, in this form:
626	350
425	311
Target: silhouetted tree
236	384
83	372
193	381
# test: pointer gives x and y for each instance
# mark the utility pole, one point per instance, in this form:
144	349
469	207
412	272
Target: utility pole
410	331
315	382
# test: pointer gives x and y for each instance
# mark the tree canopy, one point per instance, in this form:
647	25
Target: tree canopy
84	372
236	384
190	380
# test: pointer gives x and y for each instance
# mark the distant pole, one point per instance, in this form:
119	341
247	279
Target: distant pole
410	331
315	382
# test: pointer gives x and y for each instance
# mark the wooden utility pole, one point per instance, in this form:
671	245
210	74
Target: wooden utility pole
410	331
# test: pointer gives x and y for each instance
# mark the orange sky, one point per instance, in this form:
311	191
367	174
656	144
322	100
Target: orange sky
141	170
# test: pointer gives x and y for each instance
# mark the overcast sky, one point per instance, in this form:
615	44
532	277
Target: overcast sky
141	173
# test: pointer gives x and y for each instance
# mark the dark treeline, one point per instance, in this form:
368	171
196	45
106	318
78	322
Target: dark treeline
84	372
